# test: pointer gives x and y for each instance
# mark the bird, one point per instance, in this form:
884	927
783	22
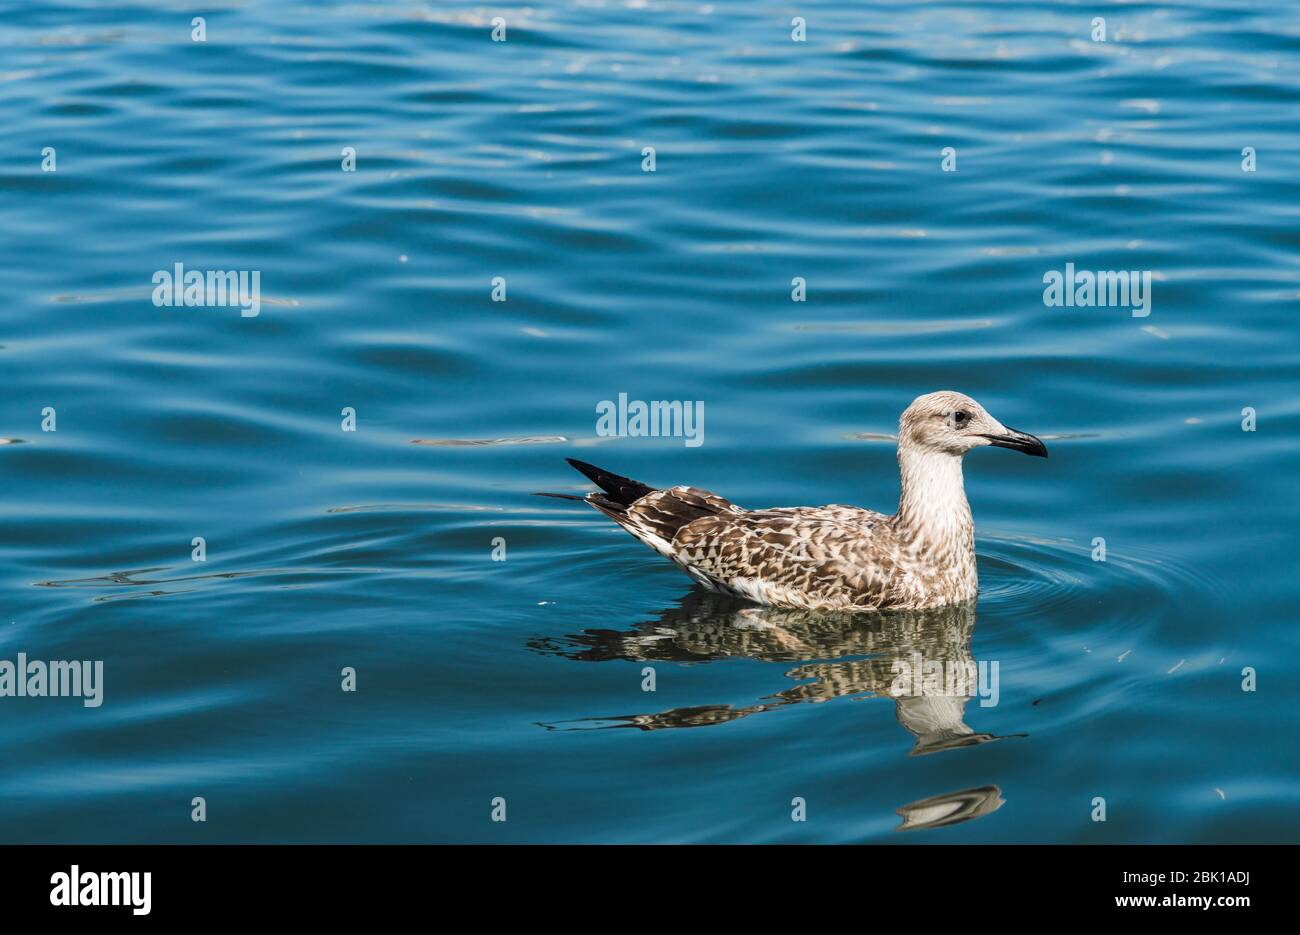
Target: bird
835	557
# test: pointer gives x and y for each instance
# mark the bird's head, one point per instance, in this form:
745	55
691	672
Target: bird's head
953	423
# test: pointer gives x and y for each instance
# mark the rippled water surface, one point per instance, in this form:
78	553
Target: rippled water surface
523	679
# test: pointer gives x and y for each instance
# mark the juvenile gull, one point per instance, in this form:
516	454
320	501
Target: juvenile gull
831	557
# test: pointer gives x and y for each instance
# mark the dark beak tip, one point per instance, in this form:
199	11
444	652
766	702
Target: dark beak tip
1033	446
1020	441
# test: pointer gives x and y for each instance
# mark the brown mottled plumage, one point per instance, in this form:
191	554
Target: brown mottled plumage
832	557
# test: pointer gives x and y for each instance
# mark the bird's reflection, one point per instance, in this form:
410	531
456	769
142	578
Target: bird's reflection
951	808
920	659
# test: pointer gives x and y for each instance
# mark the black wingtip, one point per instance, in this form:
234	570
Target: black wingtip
559	496
620	489
589	469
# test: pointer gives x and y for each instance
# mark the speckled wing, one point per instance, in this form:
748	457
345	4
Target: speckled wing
656	518
801	557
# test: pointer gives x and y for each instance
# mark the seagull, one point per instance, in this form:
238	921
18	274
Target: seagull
831	557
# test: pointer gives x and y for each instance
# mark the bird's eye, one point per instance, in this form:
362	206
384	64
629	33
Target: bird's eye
961	417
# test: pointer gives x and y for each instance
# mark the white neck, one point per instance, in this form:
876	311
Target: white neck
932	507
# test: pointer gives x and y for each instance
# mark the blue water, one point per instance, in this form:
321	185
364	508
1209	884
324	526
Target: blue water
523	679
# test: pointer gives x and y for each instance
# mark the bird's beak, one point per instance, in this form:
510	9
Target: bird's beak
1018	441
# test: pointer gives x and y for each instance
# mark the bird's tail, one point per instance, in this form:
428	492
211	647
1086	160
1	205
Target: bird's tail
652	515
618	492
621	490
